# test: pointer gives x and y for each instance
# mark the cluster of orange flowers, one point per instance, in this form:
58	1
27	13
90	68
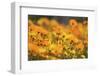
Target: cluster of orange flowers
48	39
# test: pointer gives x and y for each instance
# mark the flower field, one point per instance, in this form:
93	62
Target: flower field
57	37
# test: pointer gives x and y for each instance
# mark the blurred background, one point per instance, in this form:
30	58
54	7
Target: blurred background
61	19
